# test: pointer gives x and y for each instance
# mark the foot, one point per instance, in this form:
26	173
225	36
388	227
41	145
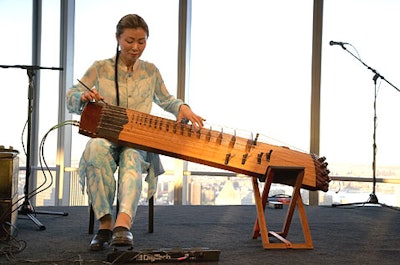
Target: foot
122	237
101	240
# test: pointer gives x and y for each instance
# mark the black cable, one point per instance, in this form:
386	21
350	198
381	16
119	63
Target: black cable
42	162
11	245
22	138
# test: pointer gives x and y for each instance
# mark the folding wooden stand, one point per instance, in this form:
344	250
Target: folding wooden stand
292	176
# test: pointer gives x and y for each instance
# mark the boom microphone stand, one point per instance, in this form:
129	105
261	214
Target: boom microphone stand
373	199
26	208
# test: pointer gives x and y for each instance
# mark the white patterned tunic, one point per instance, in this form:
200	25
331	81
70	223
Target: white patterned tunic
101	158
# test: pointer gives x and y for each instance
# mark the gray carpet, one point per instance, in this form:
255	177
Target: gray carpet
363	235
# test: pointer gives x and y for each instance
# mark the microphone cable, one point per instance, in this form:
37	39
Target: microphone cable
44	167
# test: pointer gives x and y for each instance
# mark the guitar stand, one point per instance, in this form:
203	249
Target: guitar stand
292	176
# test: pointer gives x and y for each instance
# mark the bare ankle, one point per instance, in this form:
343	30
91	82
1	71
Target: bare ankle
106	222
123	220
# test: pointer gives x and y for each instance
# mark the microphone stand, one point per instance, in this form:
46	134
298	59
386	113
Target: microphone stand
26	208
373	199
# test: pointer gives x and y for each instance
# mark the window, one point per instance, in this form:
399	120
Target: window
15	49
250	72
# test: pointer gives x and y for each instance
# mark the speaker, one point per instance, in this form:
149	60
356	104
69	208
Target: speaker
8	221
9	167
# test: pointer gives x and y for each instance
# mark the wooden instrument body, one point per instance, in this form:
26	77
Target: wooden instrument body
204	146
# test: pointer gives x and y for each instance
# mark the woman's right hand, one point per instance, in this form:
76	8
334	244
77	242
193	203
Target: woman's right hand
92	95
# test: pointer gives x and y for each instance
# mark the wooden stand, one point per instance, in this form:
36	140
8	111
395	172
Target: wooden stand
286	175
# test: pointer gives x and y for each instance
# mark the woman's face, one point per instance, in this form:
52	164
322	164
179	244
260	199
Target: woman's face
132	43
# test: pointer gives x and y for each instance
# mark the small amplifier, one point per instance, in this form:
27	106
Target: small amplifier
9	169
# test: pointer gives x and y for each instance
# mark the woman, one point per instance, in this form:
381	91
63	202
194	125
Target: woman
129	82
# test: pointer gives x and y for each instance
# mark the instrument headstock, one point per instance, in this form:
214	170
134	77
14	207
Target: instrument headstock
321	172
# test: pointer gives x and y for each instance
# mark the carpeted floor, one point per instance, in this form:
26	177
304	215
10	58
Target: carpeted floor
361	235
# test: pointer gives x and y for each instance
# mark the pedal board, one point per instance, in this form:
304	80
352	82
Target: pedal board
164	255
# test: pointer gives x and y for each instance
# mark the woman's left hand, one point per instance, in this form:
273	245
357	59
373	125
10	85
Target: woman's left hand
185	112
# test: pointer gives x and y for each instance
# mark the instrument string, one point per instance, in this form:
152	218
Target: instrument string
113	120
142	121
165	124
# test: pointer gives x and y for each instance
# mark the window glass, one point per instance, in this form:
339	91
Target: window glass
249	71
15	49
49	101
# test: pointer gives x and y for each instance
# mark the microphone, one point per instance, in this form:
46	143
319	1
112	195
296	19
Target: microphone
337	43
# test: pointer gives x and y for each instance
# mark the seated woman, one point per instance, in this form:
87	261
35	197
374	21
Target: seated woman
123	80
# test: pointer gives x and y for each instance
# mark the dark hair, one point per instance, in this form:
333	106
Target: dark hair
131	21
